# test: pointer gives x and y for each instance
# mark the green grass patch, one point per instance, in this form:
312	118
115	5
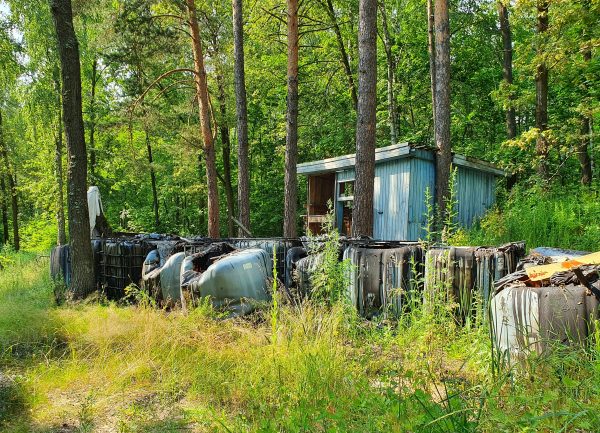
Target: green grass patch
106	367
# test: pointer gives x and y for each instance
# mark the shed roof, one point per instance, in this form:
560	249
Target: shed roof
388	153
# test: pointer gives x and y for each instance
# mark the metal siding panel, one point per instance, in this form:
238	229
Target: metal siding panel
475	194
390	206
377	223
345	175
422	176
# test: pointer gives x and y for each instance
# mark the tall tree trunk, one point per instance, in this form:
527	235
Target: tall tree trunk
242	118
12	187
204	114
291	141
583	155
362	216
93	84
61	237
343	53
226	149
442	104
5	229
391	75
431	50
507	69
152	181
82	262
541	95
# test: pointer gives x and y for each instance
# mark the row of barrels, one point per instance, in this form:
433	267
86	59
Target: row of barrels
383	276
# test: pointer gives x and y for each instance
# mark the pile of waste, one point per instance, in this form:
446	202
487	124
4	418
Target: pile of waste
552	297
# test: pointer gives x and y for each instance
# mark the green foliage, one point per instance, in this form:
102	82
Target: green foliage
329	282
561	217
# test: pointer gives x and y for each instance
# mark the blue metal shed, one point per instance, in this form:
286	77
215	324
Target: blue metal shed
402	175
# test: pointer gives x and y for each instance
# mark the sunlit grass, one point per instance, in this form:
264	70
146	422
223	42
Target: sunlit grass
132	369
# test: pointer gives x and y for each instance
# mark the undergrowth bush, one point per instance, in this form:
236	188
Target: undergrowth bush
563	217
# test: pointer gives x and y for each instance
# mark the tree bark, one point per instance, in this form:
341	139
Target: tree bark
343	53
61	237
226	149
82	278
242	118
204	114
391	75
442	104
12	187
93	84
431	50
583	155
291	141
362	217
541	95
5	229
507	69
152	181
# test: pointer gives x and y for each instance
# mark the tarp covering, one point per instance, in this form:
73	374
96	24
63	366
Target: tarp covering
94	206
60	263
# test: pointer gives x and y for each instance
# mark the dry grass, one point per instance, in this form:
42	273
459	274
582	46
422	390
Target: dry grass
109	368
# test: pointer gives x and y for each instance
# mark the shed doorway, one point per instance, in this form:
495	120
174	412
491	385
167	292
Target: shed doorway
321	190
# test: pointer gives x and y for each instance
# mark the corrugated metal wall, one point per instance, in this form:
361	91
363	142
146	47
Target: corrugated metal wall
476	193
391	199
422	178
399	198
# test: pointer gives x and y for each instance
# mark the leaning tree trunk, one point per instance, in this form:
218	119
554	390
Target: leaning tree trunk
5	229
242	118
204	113
362	216
442	105
152	180
61	237
583	155
291	141
431	50
82	262
93	84
226	148
12	187
541	95
507	71
387	44
343	53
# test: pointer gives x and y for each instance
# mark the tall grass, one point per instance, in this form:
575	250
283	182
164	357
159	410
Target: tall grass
139	369
560	217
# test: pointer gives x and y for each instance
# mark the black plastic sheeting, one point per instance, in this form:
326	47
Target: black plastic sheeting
294	254
60	263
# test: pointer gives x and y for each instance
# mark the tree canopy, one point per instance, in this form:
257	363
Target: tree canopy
142	128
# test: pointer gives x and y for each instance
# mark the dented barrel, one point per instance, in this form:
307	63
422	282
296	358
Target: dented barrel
236	281
460	275
382	275
526	319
